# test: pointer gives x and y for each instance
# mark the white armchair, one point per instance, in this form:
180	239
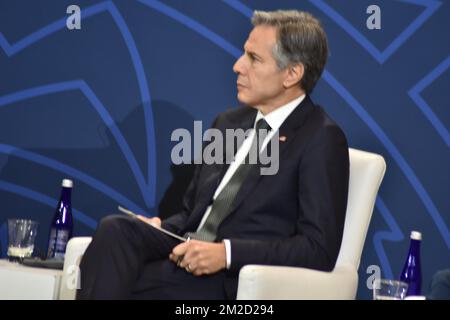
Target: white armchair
276	282
71	272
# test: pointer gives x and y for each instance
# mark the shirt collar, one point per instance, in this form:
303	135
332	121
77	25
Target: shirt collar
276	118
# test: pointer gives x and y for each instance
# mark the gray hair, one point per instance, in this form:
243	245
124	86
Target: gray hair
300	40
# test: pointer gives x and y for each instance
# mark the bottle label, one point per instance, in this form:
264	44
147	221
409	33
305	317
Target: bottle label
57	244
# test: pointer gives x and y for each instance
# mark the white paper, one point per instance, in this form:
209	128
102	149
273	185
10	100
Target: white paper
131	213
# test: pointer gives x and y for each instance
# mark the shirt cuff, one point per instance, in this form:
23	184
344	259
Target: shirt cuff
228	252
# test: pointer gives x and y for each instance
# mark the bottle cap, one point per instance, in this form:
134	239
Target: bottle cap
67	183
416	235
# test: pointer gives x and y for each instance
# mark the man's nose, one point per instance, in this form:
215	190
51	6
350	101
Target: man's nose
238	66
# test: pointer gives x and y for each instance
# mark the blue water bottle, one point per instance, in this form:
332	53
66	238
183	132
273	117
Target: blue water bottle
62	224
412	273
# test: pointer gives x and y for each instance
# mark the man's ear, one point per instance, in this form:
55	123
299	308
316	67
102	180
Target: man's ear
294	75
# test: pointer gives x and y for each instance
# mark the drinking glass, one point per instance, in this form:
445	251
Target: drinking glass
384	289
21	236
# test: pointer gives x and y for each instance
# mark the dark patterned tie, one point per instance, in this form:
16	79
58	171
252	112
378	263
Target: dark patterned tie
222	204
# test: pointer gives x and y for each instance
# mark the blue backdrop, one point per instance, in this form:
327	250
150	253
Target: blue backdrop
98	105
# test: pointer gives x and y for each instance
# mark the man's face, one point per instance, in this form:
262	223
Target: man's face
259	82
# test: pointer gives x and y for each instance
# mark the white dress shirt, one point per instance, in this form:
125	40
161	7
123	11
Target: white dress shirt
275	119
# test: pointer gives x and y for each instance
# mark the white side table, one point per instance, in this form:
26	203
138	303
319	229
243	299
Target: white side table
18	282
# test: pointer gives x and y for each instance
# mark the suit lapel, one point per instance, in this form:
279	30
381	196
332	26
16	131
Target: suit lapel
209	187
287	129
292	123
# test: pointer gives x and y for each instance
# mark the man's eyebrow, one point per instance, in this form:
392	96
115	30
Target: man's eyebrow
256	55
252	53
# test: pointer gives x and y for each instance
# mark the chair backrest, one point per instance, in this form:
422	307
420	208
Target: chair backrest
366	173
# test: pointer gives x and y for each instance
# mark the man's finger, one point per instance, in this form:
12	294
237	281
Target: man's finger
197	272
173	257
181	262
191	252
180	249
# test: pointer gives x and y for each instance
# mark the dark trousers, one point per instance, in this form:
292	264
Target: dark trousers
127	259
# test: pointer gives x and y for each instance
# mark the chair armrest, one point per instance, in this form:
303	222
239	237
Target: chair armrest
257	282
71	273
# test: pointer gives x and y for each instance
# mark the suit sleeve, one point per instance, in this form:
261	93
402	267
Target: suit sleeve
323	174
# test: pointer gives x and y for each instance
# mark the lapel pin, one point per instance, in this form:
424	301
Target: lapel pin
283	138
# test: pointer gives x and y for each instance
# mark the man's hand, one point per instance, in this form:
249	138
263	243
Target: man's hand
200	257
155	221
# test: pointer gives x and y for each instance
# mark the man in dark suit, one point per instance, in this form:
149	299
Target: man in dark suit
234	214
